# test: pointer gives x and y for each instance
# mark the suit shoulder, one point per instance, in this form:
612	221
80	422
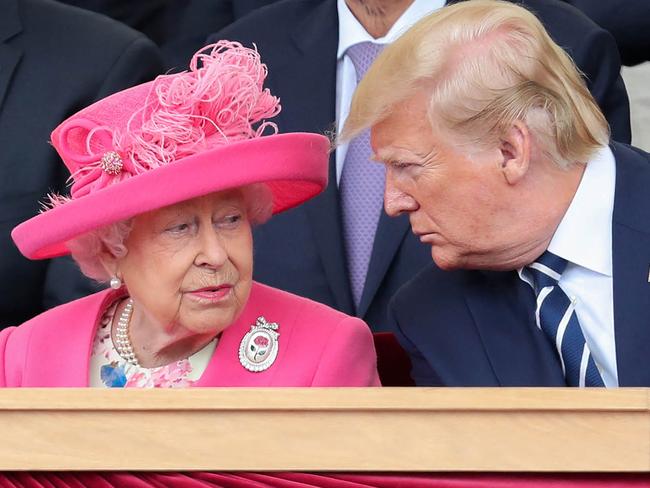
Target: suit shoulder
307	320
61	316
304	307
626	152
75	28
268	24
561	19
42	332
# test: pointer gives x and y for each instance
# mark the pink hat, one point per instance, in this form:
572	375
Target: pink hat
178	137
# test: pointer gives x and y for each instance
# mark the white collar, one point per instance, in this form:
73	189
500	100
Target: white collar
351	32
584	236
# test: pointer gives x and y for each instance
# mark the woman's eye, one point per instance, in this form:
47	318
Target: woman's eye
178	228
229	221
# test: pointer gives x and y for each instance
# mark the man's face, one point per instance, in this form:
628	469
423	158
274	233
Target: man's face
456	196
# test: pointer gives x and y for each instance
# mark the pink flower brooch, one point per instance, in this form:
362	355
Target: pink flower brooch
259	347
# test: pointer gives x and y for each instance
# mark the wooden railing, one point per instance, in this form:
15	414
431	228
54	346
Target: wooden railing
364	429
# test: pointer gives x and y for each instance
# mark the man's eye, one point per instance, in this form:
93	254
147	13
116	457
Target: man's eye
401	164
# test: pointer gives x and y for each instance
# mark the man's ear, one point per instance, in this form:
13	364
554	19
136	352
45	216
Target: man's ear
515	150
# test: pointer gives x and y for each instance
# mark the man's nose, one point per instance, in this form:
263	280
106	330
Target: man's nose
397	201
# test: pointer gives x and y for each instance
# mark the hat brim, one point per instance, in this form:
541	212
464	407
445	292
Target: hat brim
294	166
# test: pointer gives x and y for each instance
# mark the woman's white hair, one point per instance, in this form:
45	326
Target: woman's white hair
87	249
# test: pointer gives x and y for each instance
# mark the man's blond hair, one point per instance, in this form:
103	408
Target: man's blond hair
485	64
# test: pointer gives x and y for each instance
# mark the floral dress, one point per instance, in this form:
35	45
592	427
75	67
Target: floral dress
109	370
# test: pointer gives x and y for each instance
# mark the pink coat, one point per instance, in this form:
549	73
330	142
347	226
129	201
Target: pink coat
318	346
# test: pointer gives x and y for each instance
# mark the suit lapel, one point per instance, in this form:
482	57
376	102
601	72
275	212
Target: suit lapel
631	267
9	55
502	308
311	106
390	234
324	216
317	41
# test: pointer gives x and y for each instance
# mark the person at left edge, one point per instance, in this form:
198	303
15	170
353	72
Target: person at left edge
54	59
168	178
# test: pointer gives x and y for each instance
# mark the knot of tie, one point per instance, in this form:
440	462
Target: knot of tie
363	55
546	270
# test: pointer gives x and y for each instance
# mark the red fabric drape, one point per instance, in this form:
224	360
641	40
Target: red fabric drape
310	480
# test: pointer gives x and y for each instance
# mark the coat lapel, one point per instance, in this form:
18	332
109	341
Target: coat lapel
390	234
10	26
224	369
310	105
502	308
324	216
631	267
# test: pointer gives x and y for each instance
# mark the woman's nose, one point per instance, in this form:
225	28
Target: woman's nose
211	250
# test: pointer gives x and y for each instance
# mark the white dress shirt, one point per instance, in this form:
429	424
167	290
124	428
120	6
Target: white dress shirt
584	239
351	32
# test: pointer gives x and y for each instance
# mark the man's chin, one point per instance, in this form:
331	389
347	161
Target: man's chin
443	261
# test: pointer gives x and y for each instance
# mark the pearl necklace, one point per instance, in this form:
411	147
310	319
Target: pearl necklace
122	342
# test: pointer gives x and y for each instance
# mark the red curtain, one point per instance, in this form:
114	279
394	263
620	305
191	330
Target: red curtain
309	480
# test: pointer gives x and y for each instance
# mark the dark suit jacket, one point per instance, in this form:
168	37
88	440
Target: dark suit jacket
54	60
627	20
178	27
477	328
302	250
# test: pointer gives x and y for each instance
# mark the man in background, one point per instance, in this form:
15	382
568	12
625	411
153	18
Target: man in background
41	43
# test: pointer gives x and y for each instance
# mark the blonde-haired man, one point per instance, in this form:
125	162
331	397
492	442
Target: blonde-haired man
308	47
540	230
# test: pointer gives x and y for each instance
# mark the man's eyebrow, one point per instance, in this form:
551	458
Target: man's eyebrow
386	155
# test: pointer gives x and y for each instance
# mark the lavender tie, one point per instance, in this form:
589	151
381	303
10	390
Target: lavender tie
361	186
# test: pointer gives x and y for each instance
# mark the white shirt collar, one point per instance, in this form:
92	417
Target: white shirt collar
584	236
351	32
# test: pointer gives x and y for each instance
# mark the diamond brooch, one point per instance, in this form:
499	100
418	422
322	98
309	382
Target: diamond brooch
111	163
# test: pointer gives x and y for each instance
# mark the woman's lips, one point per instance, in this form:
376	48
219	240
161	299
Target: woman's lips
213	293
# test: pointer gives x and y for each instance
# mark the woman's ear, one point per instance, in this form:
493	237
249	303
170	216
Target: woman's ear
110	264
515	149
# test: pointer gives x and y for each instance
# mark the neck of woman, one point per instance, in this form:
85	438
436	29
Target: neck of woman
156	346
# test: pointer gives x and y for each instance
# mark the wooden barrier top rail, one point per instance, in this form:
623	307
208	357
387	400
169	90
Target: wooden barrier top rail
328	429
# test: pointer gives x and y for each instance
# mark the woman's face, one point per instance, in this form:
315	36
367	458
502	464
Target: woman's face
190	265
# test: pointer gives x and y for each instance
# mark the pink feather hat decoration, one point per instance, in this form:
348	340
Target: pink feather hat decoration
178	137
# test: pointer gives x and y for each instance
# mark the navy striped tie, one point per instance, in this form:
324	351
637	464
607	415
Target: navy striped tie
556	317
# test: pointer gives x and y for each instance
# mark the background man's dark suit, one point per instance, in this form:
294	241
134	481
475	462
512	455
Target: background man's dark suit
54	60
178	27
302	250
475	328
627	20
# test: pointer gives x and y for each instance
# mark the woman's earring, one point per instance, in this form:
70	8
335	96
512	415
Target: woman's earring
115	282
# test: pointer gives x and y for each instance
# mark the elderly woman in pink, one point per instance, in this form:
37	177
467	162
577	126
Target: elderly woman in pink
167	179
